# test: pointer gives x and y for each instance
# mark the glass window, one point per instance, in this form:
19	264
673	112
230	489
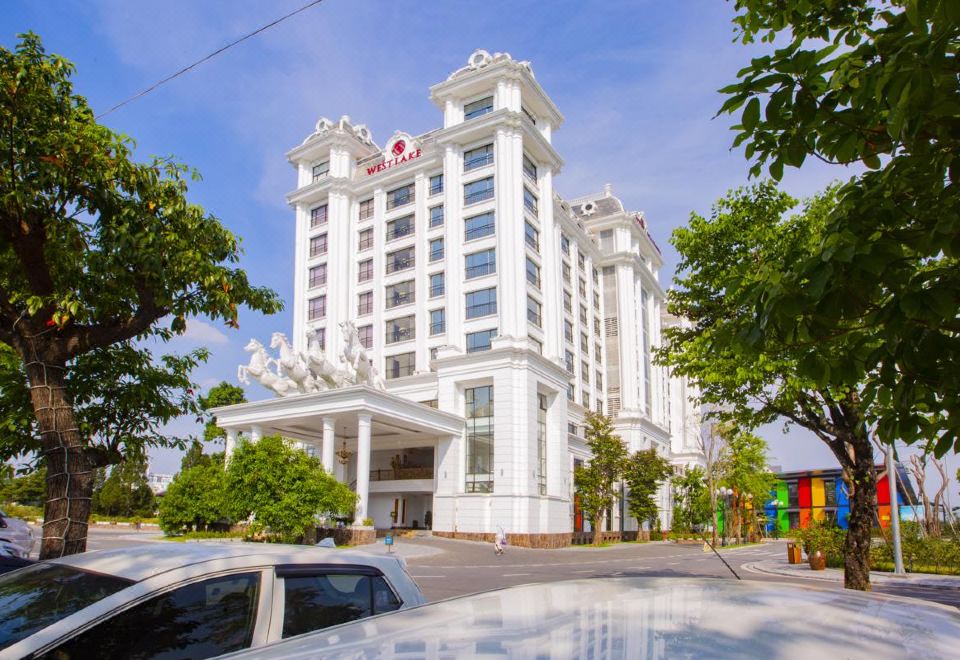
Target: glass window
597	353
533	272
318	216
567	301
401	293
436	285
317	308
199	620
568	331
479	426
436	184
321	336
792	500
584	344
365	303
438	321
321	170
581	260
318	245
568	361
583	315
366	239
436	216
401	329
596	326
585	398
596	301
599	379
582	288
401	196
534	312
531	235
400	227
478	108
480	341
542	443
478	191
400	260
434	350
480	263
529	168
529	201
318	275
366	209
596	276
478	157
313	602
365	272
481	303
564	244
829	492
478	226
365	334
537	344
565	271
436	249
401	365
585	372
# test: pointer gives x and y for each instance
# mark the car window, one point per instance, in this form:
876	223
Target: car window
199	620
37	596
312	602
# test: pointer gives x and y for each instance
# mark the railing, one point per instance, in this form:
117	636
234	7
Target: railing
400	199
400	231
480	270
400	474
481	309
478	232
478	196
480	160
398	264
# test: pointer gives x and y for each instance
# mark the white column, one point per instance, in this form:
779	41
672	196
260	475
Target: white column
326	451
230	445
363	465
255	433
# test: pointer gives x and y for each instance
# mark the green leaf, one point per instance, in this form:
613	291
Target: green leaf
751	114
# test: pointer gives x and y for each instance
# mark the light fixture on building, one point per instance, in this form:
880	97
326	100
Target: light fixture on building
343	455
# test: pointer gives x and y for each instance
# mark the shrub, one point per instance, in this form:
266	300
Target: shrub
921	554
825	537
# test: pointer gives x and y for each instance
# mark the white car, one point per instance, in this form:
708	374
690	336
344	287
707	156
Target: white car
191	600
644	618
16	534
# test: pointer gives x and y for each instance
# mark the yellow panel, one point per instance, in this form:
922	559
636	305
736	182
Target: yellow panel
819	513
816	492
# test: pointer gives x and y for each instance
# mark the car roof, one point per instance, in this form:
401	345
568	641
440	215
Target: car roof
140	562
646	617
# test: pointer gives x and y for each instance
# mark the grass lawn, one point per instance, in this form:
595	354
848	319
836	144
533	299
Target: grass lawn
199	536
887	567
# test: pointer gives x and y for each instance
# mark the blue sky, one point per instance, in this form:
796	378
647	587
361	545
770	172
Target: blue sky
636	81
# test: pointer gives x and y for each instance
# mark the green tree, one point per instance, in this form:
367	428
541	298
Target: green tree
692	508
752	376
194	456
222	394
29	489
126	491
876	84
195	498
284	489
643	473
595	483
96	251
745	471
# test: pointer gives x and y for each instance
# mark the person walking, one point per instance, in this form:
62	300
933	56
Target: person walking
499	541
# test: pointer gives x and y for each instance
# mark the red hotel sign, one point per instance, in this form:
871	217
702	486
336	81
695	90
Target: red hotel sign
400	156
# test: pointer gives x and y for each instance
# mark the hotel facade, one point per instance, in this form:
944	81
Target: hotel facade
496	312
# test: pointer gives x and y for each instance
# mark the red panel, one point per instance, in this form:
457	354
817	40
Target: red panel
883	512
803	493
806	515
883	491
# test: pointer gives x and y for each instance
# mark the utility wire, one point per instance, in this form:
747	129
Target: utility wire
209	57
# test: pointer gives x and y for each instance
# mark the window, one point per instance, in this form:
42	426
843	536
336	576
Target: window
571	390
596	301
318	245
365	334
478	108
399	228
581	260
436	216
401	329
321	336
830	492
318	216
199	620
436	184
366	239
531	235
318	275
401	365
317	308
596	276
565	269
792	500
529	200
529	168
321	170
436	249
402	293
538	345
534	312
436	285
313	602
479	426
365	303
365	272
584	344
480	341
400	196
583	315
597	353
434	351
366	209
585	398
479	157
564	244
481	263
438	321
479	226
596	326
481	303
542	443
598	379
533	272
431	403
400	260
567	302
568	361
582	288
478	191
568	331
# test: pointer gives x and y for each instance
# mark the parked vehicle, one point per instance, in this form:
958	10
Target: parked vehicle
644	618
16	533
191	600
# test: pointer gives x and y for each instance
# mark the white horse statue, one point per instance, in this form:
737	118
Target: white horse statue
322	369
292	363
259	368
354	352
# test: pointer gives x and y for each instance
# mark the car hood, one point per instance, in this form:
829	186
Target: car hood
647	617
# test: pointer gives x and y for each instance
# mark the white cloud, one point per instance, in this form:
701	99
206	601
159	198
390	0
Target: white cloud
202	332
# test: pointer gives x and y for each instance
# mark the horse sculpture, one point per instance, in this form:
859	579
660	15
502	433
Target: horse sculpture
355	354
323	370
292	363
259	368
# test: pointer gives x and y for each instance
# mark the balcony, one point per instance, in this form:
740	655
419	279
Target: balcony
402	473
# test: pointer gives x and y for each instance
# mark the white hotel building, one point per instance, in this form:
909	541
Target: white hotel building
497	311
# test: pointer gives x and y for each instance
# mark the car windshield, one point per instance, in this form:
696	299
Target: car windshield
37	596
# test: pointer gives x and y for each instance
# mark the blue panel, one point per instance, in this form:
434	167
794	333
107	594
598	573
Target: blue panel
842	498
843	515
771	515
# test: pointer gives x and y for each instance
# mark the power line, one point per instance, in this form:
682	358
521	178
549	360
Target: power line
208	57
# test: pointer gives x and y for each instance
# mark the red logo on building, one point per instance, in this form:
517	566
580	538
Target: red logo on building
399	147
399	154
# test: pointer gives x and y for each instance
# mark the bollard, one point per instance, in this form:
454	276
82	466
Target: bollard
388	541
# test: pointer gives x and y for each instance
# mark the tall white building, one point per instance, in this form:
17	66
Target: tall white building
498	313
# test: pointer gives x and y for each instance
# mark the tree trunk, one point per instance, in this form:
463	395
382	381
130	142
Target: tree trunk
863	504
70	471
597	524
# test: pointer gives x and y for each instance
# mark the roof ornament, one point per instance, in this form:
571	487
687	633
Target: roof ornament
589	208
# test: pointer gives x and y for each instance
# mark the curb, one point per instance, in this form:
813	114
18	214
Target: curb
875	577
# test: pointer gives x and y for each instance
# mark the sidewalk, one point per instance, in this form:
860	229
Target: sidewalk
782	568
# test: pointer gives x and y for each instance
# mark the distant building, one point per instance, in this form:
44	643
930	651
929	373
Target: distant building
158	482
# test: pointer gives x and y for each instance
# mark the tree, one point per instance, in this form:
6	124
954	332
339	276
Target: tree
194	456
875	84
644	472
713	444
126	491
96	253
595	482
28	489
222	394
754	375
285	490
195	498
692	503
745	472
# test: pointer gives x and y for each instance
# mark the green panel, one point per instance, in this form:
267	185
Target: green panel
783	521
